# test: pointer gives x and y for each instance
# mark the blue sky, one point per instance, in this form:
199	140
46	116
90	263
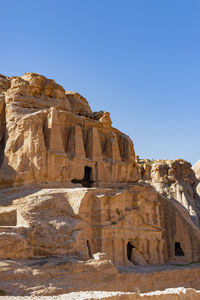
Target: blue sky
140	60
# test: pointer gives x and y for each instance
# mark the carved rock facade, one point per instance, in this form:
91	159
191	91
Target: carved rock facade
71	185
46	138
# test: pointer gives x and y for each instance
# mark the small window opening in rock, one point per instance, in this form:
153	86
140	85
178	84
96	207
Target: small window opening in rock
129	251
178	249
89	250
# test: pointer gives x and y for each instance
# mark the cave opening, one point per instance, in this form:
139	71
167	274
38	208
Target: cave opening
129	250
178	249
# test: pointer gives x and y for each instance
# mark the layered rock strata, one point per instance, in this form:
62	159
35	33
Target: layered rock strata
49	135
74	197
54	276
132	226
175	179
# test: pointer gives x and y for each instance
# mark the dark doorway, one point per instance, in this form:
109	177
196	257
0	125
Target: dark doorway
87	176
129	251
178	249
89	250
87	179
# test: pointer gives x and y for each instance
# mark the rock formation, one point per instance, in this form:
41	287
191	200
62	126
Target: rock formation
174	179
49	135
196	169
72	188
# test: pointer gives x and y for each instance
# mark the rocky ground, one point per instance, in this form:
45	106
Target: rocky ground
61	275
173	294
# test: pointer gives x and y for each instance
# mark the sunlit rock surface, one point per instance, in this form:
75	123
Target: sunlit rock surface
78	210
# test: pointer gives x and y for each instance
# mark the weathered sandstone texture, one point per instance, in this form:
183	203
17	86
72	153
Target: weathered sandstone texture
174	179
196	187
59	275
78	210
50	135
133	225
196	169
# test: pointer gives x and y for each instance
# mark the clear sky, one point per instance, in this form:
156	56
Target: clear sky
138	59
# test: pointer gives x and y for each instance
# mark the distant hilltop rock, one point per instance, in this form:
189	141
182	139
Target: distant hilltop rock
48	134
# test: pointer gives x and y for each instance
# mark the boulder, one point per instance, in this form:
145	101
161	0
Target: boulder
79	104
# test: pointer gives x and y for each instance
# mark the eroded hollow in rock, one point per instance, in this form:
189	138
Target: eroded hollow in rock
178	249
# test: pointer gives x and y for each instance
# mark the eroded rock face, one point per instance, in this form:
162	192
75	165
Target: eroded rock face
79	104
53	276
51	144
4	86
174	179
132	226
4	83
196	169
48	135
32	93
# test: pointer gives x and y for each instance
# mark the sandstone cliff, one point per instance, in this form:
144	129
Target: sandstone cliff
74	197
174	179
47	134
